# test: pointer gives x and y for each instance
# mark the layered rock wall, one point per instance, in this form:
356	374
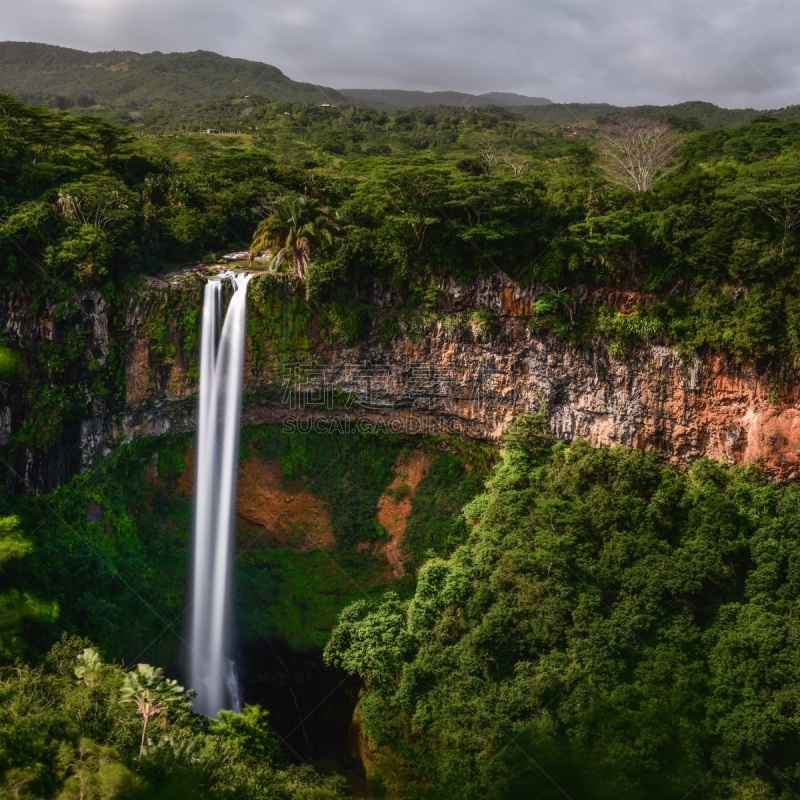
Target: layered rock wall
132	372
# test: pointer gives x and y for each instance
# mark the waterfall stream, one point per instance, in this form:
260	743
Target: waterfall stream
212	670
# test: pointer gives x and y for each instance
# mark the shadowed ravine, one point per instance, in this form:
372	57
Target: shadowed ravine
311	707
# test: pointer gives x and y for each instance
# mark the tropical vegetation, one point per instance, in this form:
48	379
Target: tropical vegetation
295	226
577	621
612	627
414	199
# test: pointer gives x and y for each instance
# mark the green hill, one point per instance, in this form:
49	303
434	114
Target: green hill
61	77
117	82
692	114
400	98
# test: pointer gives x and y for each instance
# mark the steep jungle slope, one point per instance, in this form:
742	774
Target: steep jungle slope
611	628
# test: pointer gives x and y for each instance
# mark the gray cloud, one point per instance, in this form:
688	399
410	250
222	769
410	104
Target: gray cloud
731	52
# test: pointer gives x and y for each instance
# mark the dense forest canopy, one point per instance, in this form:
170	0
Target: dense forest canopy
104	559
419	197
611	628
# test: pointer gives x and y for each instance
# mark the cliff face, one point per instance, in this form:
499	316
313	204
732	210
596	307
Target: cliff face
111	370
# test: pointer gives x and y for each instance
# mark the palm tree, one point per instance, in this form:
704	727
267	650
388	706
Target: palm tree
151	692
295	227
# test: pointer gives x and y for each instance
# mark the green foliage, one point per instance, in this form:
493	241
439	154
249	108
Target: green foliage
250	731
64	734
623	627
764	136
9	361
372	641
277	319
295	227
138	81
112	545
359	202
89	665
398	493
150	691
435	524
624	330
347	322
691	115
105	540
296	595
17	606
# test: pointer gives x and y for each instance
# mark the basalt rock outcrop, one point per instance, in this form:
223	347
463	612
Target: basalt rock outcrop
96	372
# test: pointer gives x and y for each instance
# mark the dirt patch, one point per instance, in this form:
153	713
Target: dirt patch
290	514
186	478
271	508
394	505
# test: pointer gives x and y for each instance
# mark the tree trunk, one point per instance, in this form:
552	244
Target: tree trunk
144	733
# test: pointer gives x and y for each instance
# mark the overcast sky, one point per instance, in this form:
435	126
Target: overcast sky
735	53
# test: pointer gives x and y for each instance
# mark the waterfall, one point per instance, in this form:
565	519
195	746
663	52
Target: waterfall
212	671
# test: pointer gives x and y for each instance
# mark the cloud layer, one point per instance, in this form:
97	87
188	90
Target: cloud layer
736	53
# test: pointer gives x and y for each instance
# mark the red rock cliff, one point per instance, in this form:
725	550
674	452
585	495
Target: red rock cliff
452	375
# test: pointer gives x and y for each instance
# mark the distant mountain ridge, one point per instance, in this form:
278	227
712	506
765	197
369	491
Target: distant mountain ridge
686	115
402	98
65	77
124	82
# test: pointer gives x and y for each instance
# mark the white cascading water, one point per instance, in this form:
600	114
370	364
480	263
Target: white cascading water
212	671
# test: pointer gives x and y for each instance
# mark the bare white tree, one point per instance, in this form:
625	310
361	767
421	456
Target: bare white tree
636	152
517	164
